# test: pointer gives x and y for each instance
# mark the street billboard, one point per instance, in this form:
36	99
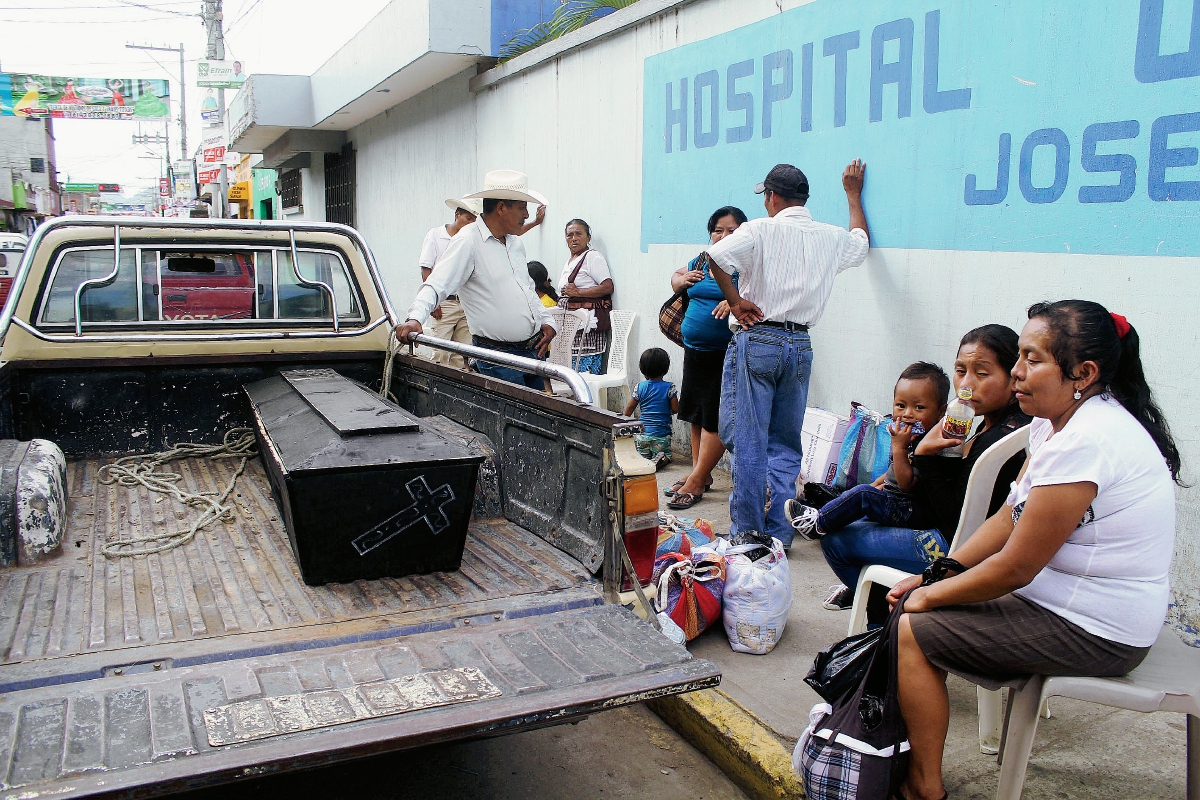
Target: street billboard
37	96
1017	126
220	74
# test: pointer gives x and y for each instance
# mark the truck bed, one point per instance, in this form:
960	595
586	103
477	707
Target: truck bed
235	582
214	661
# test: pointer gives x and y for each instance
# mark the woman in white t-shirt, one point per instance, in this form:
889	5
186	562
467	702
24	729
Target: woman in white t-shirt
586	284
1070	576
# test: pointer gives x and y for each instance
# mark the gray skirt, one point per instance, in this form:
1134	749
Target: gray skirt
1002	642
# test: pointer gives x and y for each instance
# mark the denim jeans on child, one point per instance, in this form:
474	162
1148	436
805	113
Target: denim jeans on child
508	373
862	543
764	390
866	502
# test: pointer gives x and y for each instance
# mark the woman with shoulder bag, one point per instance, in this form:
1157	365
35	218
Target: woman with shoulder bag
586	285
706	335
1070	576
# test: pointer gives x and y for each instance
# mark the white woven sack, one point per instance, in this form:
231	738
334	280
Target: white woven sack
758	596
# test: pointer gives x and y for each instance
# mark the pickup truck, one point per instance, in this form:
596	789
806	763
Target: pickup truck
212	660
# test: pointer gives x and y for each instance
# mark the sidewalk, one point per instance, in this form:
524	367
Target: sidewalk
1084	750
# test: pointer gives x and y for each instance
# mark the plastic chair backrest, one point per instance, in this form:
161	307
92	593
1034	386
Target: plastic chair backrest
982	483
568	323
618	354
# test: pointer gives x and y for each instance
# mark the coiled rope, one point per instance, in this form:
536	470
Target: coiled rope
146	471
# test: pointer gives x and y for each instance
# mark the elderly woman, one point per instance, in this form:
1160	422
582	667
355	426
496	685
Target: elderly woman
706	335
1070	576
986	355
586	284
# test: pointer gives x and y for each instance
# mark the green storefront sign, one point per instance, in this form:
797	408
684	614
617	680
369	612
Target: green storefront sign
262	194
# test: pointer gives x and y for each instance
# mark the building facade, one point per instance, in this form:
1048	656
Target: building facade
29	190
1015	152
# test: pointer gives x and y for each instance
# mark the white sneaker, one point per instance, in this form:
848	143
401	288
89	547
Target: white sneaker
841	598
803	519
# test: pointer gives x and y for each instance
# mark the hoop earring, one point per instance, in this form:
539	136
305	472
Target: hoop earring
1077	394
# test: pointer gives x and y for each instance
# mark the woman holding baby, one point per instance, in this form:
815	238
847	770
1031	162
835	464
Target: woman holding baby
985	357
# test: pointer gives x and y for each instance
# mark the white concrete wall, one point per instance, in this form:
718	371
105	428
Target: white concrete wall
574	125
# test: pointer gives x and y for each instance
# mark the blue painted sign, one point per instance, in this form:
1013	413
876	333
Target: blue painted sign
1026	125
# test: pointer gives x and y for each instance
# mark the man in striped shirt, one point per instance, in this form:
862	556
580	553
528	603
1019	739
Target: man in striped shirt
786	264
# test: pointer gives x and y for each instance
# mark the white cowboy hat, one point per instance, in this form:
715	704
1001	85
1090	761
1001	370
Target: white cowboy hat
466	204
507	184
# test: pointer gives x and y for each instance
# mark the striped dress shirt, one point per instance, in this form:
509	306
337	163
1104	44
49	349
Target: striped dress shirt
786	263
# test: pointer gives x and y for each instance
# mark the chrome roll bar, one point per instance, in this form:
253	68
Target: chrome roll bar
98	282
573	379
324	287
248	226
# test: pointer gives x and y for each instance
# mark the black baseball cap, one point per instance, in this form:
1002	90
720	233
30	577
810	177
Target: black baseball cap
786	181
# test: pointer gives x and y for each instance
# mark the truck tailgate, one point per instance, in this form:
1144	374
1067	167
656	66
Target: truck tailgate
158	731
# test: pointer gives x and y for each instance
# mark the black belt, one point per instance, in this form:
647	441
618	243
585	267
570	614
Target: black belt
787	326
453	297
493	344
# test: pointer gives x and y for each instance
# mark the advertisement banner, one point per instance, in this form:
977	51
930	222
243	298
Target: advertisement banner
37	96
208	176
1014	126
164	187
210	110
220	74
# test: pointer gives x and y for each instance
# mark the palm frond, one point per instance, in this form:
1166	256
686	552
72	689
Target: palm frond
570	16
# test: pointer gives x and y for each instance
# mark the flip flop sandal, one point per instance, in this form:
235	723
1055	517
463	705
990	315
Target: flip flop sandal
675	487
685	500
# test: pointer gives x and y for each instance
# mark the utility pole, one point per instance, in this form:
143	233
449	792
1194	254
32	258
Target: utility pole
183	148
214	23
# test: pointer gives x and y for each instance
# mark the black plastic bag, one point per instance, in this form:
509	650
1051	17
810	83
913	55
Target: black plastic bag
840	668
753	537
818	494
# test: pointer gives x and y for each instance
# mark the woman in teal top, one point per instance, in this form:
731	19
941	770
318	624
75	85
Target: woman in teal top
706	334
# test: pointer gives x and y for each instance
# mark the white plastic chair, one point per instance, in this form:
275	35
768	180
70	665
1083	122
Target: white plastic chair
1168	680
568	324
618	358
980	485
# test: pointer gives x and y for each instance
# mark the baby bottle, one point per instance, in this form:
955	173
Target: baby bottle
959	416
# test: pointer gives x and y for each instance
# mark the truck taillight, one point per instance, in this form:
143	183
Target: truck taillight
5	287
641	523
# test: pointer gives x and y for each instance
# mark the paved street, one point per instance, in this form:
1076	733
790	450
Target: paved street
627	752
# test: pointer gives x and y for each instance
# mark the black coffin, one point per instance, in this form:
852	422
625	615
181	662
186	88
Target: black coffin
384	497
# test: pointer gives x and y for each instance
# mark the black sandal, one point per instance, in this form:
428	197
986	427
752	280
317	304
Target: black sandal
677	485
684	500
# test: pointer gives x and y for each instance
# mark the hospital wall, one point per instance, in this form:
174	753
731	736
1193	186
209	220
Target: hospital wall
588	129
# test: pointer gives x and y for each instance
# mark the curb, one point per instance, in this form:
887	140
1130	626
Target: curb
734	739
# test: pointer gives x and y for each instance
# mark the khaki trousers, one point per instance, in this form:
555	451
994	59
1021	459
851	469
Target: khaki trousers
452	326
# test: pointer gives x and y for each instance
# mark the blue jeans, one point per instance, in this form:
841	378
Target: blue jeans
764	390
863	543
508	373
866	502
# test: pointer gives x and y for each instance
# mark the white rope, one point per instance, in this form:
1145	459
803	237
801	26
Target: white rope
145	471
385	387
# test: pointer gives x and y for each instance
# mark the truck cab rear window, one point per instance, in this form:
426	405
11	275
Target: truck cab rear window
200	287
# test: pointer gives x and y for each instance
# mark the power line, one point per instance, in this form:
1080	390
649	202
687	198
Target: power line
89	22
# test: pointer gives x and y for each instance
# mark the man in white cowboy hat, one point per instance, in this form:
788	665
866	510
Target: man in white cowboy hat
486	266
449	320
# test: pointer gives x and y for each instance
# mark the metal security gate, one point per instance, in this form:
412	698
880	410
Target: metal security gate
339	186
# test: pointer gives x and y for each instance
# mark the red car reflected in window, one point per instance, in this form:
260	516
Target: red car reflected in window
207	286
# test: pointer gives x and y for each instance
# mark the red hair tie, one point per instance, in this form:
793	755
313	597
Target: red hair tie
1123	326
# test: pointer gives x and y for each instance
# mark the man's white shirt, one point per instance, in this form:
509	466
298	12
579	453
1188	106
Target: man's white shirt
787	263
491	278
435	243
